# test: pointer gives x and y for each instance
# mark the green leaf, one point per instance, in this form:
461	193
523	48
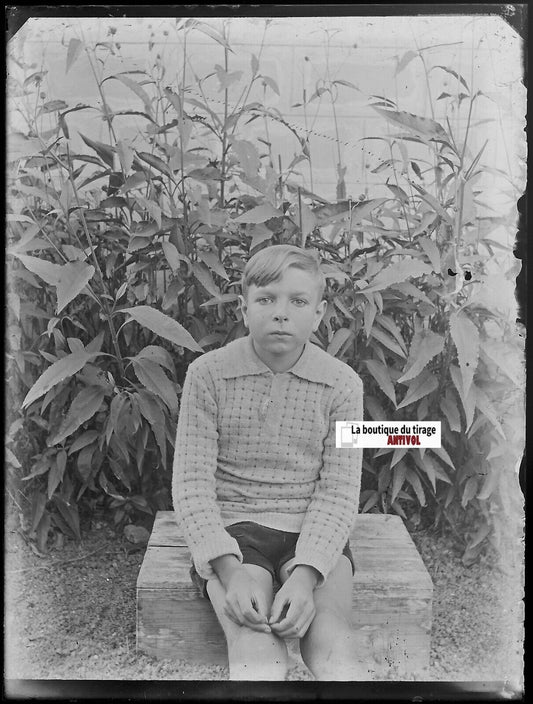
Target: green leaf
133	181
450	410
83	440
428	467
271	83
70	514
172	256
154	415
59	371
469	491
381	374
400	194
203	275
261	213
11	459
454	74
152	208
425	345
465	336
421	126
156	354
432	252
57	471
156	163
223	298
53	106
114	413
405	61
408	289
387	341
340	338
490	484
398	454
399	473
421	386
155	380
83	407
210	32
126	155
247	155
210	258
75	47
104	151
42	467
431	200
414	480
397	272
226	78
164	326
259	233
443	455
136	88
348	84
73	277
38	506
175	101
468	400
46	270
386	322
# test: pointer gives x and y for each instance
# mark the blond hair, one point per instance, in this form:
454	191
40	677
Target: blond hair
270	263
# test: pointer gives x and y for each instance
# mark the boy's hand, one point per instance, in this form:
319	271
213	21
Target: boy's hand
245	601
293	609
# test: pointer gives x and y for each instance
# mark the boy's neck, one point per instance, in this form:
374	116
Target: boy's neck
278	366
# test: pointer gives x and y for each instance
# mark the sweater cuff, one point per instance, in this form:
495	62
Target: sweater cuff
222	544
308	556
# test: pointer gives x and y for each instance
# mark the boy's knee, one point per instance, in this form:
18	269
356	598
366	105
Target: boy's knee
329	647
254	655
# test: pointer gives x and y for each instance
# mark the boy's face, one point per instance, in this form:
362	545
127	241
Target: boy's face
281	317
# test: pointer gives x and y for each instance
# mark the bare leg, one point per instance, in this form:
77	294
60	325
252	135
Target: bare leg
252	655
330	646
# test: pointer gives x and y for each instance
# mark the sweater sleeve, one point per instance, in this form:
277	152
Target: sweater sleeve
334	505
193	476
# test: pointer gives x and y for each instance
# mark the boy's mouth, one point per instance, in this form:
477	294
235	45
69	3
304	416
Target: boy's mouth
280	333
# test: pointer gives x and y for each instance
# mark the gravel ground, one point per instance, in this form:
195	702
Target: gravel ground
71	615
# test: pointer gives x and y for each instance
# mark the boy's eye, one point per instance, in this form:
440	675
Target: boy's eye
300	302
264	299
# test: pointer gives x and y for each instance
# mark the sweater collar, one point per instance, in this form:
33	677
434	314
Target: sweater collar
242	360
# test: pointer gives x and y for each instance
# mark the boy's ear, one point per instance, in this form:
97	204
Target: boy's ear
244	308
319	314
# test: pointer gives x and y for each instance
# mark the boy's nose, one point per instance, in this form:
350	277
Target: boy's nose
280	317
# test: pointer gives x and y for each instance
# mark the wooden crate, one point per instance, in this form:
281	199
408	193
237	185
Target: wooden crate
392	600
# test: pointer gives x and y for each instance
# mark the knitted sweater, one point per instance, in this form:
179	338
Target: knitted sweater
253	445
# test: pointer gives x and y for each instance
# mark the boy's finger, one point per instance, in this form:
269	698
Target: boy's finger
250	614
277	608
260	604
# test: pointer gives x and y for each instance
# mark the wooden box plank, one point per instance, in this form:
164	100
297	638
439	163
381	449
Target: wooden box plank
392	600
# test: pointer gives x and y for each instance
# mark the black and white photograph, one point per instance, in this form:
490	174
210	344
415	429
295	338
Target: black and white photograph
265	348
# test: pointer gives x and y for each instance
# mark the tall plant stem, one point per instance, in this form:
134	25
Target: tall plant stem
224	127
182	161
104	303
307	131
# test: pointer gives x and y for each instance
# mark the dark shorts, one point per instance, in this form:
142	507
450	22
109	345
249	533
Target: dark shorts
266	547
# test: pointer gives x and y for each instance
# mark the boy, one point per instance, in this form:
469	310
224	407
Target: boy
260	491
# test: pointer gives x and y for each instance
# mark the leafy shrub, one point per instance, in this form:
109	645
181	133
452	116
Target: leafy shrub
125	261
